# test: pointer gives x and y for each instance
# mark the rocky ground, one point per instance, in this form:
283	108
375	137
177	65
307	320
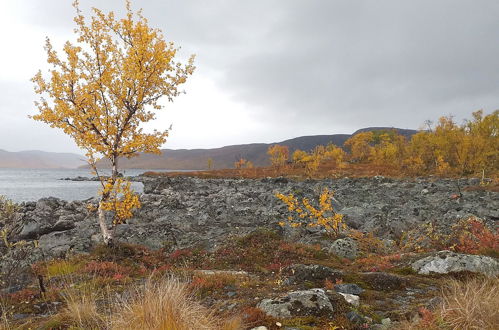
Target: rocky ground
193	224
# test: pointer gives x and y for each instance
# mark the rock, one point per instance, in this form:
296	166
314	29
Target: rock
386	324
344	248
433	303
50	215
182	212
260	328
17	317
356	318
312	273
445	262
383	281
351	298
348	288
312	302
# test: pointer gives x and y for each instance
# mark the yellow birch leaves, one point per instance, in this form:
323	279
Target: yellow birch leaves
120	199
303	212
102	89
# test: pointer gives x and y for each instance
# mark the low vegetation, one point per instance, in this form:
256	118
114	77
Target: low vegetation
131	287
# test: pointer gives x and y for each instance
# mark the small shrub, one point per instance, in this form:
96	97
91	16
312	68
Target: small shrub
470	235
203	285
377	263
368	243
322	215
474	237
105	269
7	209
253	317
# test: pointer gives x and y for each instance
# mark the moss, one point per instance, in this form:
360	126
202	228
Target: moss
490	253
62	267
53	323
303	323
404	271
368	311
356	279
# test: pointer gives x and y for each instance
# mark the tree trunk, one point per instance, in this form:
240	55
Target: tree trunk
106	234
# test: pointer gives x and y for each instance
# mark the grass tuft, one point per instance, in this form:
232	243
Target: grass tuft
472	304
166	304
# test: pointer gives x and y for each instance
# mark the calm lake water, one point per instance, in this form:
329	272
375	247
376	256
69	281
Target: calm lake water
33	184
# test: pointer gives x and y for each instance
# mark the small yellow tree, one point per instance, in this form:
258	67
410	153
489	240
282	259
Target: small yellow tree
102	91
278	155
359	145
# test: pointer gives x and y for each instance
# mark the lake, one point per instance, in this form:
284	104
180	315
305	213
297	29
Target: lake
33	184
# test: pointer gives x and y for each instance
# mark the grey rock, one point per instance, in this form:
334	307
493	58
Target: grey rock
433	303
351	298
344	248
312	273
444	262
181	212
355	317
312	302
17	317
348	288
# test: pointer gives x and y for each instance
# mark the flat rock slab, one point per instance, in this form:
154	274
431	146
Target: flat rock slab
312	273
445	262
313	302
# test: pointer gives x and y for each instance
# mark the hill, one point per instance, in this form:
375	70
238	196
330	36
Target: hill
40	159
224	157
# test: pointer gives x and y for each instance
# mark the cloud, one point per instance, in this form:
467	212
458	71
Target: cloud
270	70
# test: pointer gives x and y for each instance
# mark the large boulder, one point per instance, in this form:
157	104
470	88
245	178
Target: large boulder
313	302
445	262
344	248
50	215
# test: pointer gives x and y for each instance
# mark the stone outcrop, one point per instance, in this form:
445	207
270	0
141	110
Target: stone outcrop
312	273
183	212
313	302
445	262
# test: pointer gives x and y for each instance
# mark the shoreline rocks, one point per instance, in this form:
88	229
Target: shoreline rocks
184	212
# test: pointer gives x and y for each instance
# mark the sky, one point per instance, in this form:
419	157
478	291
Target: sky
269	70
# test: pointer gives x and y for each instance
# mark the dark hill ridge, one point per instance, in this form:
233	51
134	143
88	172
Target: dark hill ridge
224	157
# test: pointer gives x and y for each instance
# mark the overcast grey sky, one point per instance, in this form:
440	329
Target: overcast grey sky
269	70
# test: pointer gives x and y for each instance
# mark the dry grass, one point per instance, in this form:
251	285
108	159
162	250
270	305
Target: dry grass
473	304
82	309
4	322
466	305
166	305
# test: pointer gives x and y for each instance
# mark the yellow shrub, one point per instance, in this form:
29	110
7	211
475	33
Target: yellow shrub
305	213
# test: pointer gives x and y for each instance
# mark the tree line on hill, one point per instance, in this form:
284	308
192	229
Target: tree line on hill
445	148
